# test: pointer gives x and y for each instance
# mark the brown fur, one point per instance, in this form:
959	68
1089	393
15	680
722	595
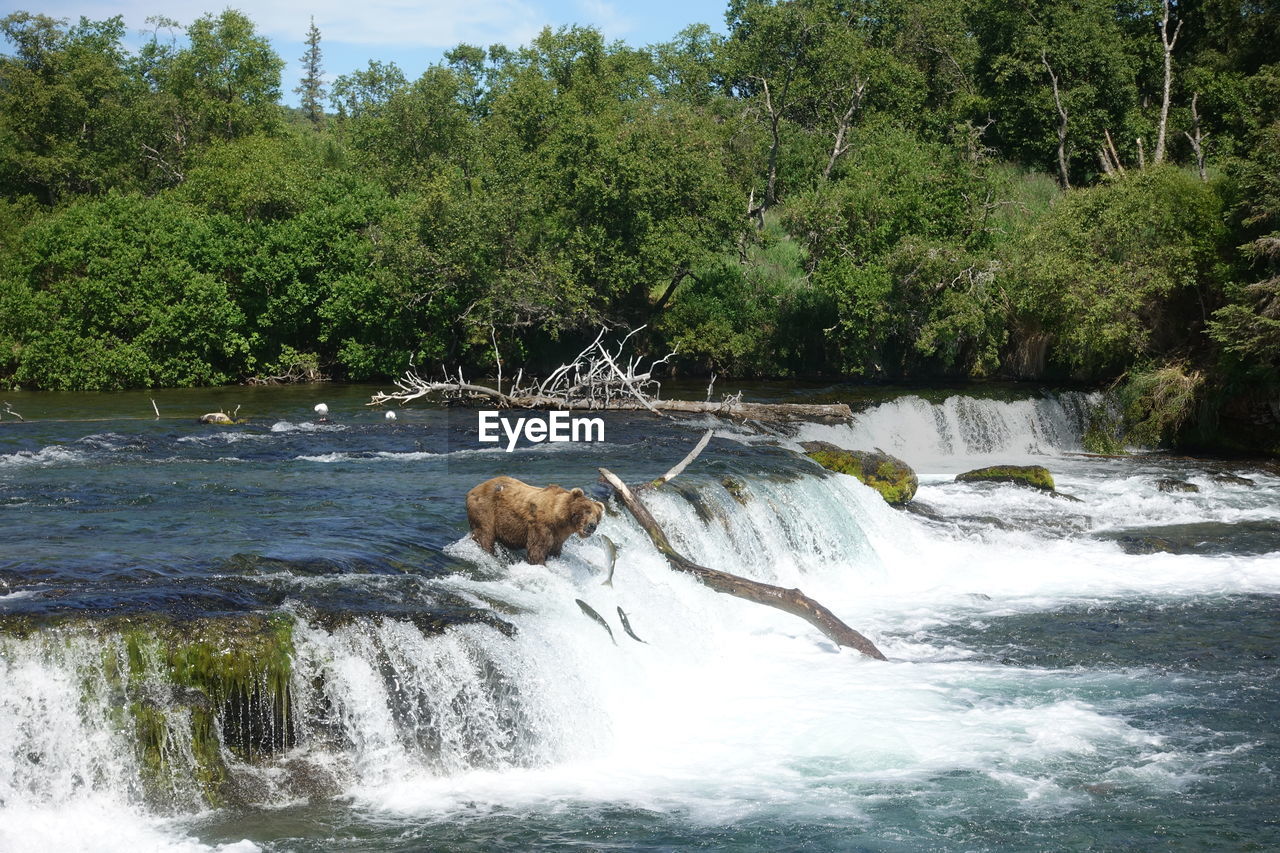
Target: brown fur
522	516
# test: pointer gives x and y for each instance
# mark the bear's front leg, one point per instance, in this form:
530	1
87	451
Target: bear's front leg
539	545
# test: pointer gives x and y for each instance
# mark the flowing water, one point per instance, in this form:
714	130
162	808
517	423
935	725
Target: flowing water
277	636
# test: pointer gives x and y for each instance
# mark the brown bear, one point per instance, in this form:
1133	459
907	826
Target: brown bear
522	516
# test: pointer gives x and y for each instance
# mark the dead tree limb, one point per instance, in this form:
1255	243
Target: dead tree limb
600	379
1115	155
842	128
684	463
791	601
1197	137
1063	174
1167	43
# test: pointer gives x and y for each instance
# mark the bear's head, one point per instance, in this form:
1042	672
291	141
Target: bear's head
584	513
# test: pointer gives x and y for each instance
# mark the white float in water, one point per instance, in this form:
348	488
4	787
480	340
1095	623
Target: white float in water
391	416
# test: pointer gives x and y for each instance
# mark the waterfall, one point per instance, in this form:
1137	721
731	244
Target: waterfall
176	719
724	701
962	427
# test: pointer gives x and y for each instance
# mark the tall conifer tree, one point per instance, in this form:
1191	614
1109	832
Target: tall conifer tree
311	88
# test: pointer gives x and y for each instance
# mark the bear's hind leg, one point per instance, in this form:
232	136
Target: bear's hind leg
484	537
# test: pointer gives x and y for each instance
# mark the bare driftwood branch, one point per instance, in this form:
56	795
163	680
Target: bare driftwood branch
684	463
600	379
791	601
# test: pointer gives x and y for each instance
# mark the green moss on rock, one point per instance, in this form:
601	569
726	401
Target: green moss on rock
1035	476
737	489
888	475
217	684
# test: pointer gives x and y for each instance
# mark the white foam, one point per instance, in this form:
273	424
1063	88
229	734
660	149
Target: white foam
306	426
69	777
731	709
54	454
379	456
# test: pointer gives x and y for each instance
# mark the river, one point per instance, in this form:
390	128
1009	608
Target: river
277	636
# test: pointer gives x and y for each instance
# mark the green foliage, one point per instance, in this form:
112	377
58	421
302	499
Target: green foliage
117	293
1086	47
1121	271
68	108
1158	402
899	243
226	83
1248	326
311	87
827	188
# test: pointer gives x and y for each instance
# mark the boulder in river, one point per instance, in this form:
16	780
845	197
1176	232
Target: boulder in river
1170	484
888	475
1035	476
1226	478
216	418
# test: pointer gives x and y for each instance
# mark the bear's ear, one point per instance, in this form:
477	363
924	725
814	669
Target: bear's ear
577	493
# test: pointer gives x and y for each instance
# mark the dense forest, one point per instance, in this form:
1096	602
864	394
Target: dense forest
877	189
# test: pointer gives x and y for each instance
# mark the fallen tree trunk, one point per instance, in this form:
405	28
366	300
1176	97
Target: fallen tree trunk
731	408
791	601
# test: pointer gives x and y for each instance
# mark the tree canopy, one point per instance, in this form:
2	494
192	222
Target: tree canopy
882	189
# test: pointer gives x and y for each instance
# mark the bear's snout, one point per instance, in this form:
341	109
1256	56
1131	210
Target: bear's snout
588	530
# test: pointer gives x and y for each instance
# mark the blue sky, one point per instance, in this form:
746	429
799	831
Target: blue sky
411	33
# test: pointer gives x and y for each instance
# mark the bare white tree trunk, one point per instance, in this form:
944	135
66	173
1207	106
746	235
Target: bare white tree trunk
1196	137
1062	125
1115	155
1168	42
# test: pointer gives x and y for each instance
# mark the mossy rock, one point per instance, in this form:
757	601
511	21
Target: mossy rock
224	679
888	475
1035	476
737	489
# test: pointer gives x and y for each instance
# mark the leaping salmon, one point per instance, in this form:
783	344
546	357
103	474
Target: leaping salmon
611	551
626	626
590	611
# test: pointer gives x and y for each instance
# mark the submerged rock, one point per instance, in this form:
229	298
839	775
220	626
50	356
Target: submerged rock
1226	478
1035	476
1169	484
1240	538
888	475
